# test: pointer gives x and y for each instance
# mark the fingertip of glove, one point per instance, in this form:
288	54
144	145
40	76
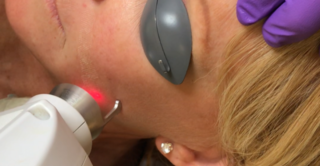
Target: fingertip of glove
273	40
245	20
244	16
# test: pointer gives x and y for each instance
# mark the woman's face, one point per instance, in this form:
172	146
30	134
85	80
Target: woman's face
96	44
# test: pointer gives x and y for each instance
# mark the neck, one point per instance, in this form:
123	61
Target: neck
111	151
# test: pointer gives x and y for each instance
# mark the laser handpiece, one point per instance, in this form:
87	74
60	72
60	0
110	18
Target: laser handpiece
52	129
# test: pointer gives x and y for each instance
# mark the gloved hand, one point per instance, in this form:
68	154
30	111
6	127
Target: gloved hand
289	20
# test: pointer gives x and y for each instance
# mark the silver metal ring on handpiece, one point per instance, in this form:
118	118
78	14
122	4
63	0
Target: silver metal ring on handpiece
83	102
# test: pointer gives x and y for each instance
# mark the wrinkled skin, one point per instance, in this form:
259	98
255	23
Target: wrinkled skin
96	45
18	65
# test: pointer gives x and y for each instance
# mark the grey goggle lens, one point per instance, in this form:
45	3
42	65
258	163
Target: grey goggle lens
166	38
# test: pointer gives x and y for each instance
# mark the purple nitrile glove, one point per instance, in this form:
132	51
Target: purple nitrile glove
289	20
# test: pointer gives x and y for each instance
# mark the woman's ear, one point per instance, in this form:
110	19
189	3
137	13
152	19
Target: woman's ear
180	155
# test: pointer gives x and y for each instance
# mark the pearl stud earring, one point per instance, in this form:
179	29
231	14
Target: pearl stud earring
166	147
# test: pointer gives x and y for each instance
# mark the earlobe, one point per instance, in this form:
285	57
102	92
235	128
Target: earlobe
180	155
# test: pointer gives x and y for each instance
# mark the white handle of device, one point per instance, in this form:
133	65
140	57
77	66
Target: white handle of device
46	131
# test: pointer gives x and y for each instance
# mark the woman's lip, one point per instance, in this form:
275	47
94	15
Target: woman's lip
51	4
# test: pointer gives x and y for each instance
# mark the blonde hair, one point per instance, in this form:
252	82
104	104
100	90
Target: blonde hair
270	102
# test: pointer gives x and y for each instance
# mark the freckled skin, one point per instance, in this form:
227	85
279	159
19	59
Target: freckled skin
18	66
98	48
